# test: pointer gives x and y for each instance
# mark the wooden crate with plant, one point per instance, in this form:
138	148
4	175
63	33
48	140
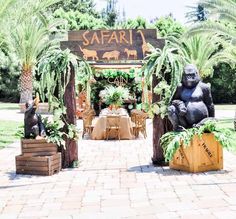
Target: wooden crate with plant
196	149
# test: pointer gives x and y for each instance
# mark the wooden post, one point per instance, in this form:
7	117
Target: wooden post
70	153
158	130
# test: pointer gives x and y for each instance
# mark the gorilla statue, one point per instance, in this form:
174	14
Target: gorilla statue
33	125
192	102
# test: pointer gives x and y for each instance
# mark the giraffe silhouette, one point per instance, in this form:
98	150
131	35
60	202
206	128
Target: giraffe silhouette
145	47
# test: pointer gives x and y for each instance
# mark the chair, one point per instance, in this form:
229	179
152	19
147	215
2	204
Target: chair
80	104
139	119
113	124
88	117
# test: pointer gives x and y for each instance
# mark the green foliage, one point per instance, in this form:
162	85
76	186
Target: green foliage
138	23
110	13
113	73
114	95
56	131
84	7
171	141
9	75
168	26
79	21
223	84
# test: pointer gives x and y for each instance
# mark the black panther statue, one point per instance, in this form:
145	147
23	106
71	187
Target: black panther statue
33	125
192	102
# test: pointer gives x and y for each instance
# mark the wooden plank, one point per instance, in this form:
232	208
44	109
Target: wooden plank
34	172
39	154
36	168
56	161
36	145
31	163
33	141
38	158
39	149
56	166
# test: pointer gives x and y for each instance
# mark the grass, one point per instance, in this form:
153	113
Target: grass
9	106
225	107
229	124
8	130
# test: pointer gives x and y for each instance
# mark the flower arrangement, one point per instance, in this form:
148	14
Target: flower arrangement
114	96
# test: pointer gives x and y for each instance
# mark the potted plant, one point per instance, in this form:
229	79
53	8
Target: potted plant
196	149
114	96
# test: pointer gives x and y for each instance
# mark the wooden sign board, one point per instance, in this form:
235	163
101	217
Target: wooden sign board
111	45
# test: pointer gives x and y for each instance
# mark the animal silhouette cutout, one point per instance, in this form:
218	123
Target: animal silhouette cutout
131	53
145	47
111	55
89	54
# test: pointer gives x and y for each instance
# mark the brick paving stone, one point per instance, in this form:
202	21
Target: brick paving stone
225	214
119	211
168	215
8	216
149	216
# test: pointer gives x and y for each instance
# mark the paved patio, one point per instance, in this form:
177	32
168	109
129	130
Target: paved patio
115	179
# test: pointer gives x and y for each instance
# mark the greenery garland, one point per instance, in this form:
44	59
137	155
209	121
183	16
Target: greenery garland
171	141
113	73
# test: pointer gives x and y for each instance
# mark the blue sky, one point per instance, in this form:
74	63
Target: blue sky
152	8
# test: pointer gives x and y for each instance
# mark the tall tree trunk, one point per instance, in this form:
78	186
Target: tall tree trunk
158	130
70	154
26	84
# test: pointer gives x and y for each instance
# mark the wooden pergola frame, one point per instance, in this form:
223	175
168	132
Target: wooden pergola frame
75	37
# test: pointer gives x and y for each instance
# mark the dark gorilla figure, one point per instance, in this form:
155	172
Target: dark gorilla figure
192	103
32	122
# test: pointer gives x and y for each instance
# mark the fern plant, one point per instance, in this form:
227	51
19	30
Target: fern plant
167	66
55	71
171	141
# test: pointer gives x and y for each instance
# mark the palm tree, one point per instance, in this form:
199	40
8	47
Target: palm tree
203	51
5	5
29	39
221	19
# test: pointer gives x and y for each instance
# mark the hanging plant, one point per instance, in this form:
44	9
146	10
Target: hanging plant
171	141
167	66
54	70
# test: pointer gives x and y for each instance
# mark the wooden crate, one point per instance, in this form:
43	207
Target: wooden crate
33	147
201	155
38	165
